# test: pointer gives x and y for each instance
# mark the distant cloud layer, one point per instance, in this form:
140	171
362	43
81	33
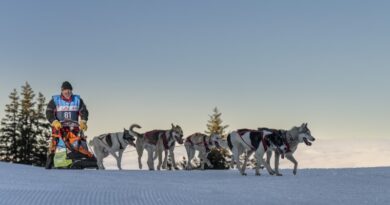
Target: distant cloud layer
322	154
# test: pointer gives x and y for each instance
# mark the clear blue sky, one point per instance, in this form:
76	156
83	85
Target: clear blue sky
263	63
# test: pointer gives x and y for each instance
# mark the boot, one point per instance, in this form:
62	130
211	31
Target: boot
49	161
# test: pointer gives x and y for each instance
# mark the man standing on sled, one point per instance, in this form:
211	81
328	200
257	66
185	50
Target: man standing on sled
64	107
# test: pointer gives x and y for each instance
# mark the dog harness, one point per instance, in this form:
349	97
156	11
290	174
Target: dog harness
243	131
263	139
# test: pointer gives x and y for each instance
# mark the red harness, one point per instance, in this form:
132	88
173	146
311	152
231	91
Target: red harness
288	146
241	132
285	141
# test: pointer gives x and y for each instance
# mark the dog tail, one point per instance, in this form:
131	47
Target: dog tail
229	141
134	133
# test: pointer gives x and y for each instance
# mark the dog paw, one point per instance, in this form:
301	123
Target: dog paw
258	174
243	174
279	174
177	168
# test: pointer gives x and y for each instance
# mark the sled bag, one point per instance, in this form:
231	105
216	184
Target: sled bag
60	157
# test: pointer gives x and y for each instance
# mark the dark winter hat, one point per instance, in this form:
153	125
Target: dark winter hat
66	86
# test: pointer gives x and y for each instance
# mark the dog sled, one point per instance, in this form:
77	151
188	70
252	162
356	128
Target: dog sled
71	149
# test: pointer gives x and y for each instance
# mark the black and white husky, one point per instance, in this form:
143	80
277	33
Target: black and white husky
201	143
155	142
291	139
111	143
249	141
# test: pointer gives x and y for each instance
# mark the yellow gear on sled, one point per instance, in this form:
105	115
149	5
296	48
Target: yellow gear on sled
83	125
56	124
60	159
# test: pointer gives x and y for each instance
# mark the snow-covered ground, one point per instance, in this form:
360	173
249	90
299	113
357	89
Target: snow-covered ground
26	185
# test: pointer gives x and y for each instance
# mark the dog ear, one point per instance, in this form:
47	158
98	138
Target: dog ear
302	127
173	126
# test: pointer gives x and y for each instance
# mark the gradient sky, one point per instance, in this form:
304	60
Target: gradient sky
263	63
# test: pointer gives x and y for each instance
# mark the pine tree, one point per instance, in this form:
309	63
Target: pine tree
26	115
9	130
214	125
41	129
217	157
25	130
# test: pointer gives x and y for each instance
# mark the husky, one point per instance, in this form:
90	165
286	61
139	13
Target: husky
279	133
111	143
249	141
291	139
168	150
155	142
202	143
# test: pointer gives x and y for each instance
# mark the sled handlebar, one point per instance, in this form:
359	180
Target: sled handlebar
70	124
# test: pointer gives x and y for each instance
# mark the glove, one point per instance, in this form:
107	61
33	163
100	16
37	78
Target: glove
83	125
56	124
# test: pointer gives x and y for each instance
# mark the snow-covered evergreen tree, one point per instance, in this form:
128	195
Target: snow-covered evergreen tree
24	129
41	129
9	129
27	140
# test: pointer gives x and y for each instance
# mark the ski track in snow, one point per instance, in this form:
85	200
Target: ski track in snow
28	185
